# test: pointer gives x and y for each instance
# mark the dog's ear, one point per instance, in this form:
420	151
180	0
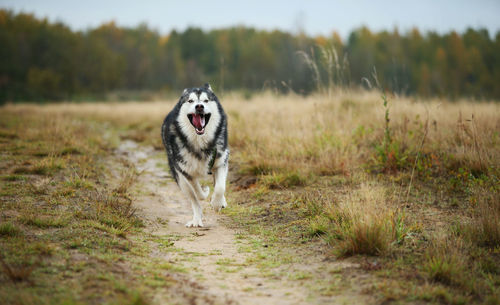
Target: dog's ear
184	92
208	87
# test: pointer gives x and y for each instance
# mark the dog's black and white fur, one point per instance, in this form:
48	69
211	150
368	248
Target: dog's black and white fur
194	134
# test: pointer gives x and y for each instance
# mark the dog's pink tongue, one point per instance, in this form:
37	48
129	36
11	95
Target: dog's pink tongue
197	121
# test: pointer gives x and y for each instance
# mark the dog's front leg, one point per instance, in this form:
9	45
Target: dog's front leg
201	192
188	189
218	199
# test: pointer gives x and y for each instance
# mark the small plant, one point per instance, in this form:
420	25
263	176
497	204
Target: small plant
387	130
398	227
389	153
390	156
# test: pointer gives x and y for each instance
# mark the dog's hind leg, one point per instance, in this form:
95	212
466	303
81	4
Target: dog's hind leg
201	192
218	199
189	190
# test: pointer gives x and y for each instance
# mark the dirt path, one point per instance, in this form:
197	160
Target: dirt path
212	254
216	257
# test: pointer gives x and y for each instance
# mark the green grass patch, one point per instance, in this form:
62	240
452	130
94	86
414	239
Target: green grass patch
283	180
172	267
44	222
13	178
9	229
70	151
445	263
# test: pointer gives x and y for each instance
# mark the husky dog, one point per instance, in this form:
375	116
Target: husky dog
194	134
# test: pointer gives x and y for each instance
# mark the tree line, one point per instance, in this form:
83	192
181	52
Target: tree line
42	60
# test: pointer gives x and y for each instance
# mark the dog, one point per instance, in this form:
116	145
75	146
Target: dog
194	134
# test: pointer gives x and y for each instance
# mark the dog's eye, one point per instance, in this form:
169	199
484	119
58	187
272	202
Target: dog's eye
190	101
206	101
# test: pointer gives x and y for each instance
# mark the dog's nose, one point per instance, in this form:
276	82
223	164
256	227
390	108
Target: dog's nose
199	108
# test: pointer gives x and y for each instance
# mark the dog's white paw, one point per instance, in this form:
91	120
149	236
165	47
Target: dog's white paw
194	223
218	202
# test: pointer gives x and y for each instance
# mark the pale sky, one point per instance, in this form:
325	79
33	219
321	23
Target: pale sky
314	16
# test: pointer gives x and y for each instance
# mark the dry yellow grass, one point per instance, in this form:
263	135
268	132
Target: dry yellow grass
323	134
363	221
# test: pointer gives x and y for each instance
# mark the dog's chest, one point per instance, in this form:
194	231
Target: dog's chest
193	164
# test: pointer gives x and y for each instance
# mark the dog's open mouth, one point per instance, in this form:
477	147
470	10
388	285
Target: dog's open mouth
199	121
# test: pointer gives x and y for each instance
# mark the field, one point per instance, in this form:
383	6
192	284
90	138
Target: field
344	198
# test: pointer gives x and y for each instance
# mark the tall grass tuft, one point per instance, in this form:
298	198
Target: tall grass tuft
362	223
329	72
445	263
484	229
370	236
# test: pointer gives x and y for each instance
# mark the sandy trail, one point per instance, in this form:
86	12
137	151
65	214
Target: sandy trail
211	255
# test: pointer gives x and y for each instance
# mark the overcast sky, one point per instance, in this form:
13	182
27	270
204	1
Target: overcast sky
314	16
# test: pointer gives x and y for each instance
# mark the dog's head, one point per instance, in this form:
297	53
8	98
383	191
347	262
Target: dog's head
199	108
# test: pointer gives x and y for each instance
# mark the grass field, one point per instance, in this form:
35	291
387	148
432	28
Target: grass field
407	189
